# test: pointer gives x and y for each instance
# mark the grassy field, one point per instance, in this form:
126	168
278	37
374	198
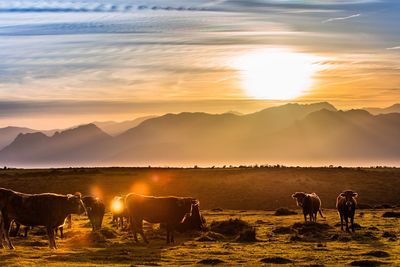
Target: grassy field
323	245
247	194
229	188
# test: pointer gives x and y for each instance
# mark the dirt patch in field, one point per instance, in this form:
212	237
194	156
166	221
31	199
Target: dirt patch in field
211	261
391	214
311	232
211	236
377	254
276	260
366	263
284	212
247	235
283	230
231	227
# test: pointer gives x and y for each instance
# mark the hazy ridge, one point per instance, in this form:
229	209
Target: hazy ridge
313	134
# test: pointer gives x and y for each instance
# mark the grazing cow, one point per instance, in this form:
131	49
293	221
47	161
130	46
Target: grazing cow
310	203
346	204
95	210
47	209
170	211
118	210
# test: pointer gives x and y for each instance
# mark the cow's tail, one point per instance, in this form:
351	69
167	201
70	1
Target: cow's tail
320	213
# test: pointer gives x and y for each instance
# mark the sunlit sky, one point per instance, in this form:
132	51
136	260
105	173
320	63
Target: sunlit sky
69	62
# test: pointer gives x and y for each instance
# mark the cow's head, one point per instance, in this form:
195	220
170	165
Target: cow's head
76	204
194	219
350	198
300	198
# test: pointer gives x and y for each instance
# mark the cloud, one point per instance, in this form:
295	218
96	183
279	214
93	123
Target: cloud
341	18
393	48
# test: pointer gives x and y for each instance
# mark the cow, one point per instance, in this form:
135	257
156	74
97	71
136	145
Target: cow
170	211
46	209
119	211
95	211
310	203
346	204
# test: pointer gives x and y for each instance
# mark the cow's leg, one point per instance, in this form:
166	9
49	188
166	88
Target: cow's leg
50	233
16	230
171	234
305	217
26	231
167	228
352	223
141	232
62	232
346	219
7	224
341	221
315	217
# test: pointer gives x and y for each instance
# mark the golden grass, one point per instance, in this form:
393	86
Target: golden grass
81	248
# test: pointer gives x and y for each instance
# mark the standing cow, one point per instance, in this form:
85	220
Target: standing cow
310	203
346	204
170	211
95	210
47	209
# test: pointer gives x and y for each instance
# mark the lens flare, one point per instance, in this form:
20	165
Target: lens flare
117	206
140	188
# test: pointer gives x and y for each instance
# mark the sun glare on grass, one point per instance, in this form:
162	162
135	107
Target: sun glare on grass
277	74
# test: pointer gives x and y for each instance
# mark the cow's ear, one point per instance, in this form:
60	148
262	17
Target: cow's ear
342	195
355	194
294	196
70	196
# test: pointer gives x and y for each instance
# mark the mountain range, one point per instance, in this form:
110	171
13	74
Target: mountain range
312	134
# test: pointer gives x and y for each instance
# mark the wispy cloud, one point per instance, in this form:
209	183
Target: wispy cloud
394	48
341	18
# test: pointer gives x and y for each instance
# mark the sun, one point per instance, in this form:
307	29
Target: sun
277	74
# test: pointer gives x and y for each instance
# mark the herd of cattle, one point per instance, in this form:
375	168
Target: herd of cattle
175	213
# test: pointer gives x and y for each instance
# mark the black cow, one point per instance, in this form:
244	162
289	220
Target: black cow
346	204
95	210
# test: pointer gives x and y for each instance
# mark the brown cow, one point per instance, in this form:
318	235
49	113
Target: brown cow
310	203
95	210
346	204
170	211
47	209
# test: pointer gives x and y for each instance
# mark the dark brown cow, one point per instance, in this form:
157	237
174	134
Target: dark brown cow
95	210
170	211
118	211
346	204
310	203
47	209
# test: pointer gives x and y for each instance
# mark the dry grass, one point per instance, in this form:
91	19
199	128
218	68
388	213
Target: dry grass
242	194
318	244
